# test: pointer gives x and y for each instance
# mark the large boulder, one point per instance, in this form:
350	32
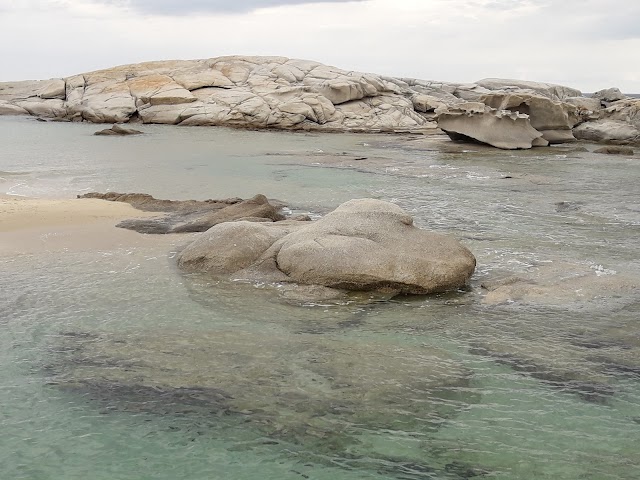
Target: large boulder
499	128
609	95
364	244
608	131
553	118
10	109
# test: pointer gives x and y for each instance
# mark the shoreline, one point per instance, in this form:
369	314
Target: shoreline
32	225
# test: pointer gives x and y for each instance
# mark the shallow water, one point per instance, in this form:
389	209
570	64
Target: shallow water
116	366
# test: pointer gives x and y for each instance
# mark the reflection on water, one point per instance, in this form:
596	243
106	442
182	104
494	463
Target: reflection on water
117	366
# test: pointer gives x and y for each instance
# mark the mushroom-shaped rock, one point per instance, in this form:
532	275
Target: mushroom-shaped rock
553	118
499	128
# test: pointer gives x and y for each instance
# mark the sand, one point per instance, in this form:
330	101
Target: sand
30	226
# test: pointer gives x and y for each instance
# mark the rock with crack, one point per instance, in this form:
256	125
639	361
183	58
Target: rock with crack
363	245
292	94
499	128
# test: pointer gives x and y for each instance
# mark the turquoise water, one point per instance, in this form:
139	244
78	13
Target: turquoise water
116	366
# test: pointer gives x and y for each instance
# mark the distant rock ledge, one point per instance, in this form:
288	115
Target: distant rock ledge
282	93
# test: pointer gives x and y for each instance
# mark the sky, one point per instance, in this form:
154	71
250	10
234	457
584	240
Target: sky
586	44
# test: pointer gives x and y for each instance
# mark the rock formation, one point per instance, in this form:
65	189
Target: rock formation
191	215
277	92
117	130
499	128
364	244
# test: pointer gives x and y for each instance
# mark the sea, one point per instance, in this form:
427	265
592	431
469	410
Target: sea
117	366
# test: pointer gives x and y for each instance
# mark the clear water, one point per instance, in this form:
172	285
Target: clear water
116	366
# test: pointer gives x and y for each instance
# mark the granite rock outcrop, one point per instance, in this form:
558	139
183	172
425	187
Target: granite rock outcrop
283	93
363	245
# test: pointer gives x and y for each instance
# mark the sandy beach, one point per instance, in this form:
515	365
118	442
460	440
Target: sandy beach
29	225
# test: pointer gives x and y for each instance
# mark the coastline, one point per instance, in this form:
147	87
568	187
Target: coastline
32	225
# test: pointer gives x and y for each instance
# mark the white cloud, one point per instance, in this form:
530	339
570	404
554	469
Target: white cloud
587	44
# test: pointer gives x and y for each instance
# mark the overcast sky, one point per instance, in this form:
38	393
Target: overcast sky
587	44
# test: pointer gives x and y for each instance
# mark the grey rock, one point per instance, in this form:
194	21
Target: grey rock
609	95
117	130
363	245
499	128
614	150
553	118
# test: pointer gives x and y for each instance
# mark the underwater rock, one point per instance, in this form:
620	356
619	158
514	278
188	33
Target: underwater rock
614	150
297	387
192	215
117	130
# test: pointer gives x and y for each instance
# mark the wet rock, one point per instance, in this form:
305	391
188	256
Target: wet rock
297	387
192	215
119	131
614	150
257	207
364	244
559	283
562	368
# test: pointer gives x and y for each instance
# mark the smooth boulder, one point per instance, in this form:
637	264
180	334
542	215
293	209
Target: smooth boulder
363	245
552	118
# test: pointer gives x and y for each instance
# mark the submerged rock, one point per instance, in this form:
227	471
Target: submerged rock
364	244
119	131
614	150
300	387
192	215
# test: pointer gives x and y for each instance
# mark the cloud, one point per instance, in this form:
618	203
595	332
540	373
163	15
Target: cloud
187	7
588	44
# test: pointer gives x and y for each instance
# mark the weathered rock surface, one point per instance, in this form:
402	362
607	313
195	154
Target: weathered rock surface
294	387
117	130
552	118
608	131
362	245
191	215
499	128
550	90
283	93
